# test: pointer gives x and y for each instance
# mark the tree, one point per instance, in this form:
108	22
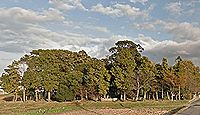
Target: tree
64	75
146	75
11	79
97	78
186	76
32	79
168	77
123	62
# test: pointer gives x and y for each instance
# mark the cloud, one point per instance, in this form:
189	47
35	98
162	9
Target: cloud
139	1
22	30
183	31
184	42
144	26
119	10
37	37
67	4
7	58
170	49
106	10
102	29
174	8
20	15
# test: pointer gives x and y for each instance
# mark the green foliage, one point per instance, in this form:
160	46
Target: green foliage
64	93
11	79
123	63
97	77
146	73
68	74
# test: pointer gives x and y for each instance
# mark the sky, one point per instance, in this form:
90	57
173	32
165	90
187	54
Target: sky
164	28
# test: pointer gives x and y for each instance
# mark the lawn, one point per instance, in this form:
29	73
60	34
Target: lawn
39	108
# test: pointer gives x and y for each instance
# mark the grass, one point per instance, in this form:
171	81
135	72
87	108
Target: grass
40	108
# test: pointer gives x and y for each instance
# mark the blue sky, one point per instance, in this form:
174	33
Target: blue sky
165	28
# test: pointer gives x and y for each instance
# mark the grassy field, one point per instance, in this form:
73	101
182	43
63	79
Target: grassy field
39	108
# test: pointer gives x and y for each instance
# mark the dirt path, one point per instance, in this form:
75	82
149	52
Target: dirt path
116	112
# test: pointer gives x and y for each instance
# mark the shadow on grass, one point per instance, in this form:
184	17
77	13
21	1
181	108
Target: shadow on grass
174	111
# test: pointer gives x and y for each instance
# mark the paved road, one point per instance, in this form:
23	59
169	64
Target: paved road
193	109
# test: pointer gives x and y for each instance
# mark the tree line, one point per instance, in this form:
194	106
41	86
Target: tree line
126	74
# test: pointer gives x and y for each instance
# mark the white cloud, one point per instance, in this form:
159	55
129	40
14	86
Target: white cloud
18	14
102	29
6	58
169	48
185	42
174	8
67	4
119	10
21	31
106	10
183	31
144	26
139	1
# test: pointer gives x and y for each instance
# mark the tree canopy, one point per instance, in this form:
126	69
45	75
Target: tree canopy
63	75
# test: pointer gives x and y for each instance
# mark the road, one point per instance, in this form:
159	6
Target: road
192	109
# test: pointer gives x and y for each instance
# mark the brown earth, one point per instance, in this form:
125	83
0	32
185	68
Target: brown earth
116	112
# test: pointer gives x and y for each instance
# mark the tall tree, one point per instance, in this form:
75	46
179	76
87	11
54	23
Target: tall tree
146	73
123	62
98	78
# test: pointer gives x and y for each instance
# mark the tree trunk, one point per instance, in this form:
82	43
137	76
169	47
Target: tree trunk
172	96
86	95
39	96
81	94
124	95
190	95
15	97
153	96
24	95
162	94
138	89
36	95
137	95
121	97
104	96
168	96
149	96
179	93
177	97
145	95
107	96
49	96
156	95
